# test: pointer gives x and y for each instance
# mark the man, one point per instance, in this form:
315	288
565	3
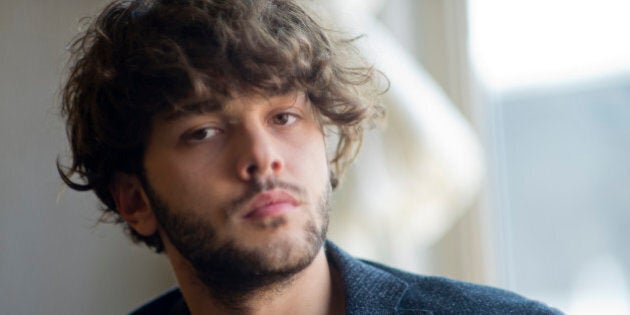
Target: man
203	126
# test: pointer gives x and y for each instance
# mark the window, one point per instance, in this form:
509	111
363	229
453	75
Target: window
556	112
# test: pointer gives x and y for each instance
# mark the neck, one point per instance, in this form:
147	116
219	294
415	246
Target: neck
315	290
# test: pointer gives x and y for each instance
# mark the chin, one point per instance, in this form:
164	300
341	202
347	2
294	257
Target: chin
283	246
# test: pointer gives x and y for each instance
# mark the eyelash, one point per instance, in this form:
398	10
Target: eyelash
288	116
205	133
194	136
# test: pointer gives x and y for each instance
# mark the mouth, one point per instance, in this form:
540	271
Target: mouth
269	204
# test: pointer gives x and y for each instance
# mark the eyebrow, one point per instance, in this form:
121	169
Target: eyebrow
213	106
205	107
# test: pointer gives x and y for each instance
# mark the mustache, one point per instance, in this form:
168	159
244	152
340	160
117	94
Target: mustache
259	186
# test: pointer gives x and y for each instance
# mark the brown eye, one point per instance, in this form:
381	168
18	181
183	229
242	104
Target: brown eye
284	119
202	134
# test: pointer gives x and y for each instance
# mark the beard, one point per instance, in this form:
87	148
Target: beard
230	272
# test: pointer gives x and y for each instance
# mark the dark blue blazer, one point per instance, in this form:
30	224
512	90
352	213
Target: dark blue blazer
373	288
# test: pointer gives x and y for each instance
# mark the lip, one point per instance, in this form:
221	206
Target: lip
269	204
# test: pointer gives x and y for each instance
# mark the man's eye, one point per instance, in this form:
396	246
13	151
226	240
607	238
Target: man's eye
201	134
284	119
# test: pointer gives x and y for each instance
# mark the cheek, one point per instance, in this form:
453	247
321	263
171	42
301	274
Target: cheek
185	179
310	158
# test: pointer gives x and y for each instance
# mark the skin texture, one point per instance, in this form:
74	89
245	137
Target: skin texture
250	176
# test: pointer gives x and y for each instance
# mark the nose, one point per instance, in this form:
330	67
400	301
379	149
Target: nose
258	154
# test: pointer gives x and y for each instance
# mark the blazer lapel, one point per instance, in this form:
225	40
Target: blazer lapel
369	290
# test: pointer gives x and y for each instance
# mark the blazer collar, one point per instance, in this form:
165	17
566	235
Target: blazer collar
367	288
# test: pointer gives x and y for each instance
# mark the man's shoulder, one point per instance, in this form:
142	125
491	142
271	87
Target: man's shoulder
458	296
374	288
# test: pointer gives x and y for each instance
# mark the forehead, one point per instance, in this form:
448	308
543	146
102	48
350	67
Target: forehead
234	106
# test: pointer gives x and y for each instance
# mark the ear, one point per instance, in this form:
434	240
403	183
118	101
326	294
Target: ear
132	203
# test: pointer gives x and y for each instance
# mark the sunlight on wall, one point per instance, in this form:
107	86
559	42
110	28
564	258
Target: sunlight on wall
537	42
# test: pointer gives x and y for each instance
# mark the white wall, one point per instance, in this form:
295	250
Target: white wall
52	258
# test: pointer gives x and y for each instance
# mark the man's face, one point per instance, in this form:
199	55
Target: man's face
242	190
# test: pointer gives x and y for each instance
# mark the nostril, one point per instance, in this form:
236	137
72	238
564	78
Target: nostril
251	169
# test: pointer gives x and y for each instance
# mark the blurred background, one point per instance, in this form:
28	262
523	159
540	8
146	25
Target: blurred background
504	161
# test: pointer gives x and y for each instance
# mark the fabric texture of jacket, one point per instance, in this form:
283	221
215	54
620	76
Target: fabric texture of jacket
372	288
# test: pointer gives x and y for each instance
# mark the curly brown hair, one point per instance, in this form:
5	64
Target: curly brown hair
143	57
